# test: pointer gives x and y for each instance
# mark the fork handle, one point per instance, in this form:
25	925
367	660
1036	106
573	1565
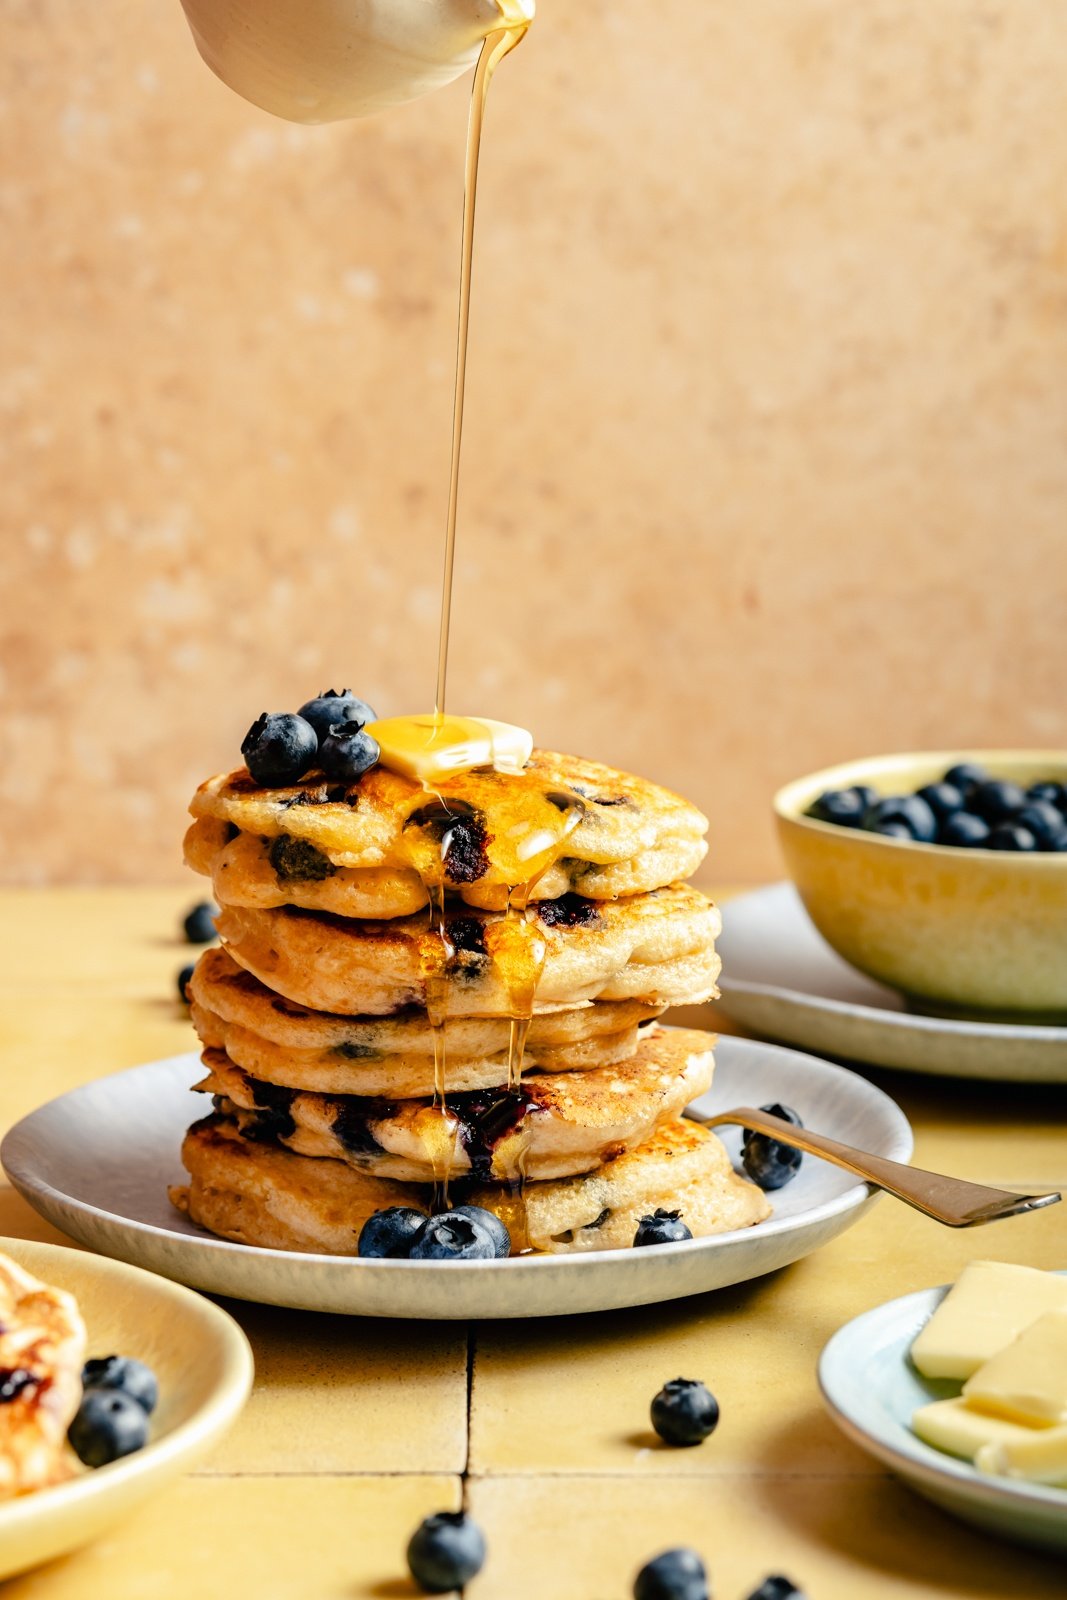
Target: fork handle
952	1201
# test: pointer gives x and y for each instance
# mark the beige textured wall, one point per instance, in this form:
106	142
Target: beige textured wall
767	451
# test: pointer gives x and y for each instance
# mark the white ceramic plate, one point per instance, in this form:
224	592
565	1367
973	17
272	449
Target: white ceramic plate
781	978
872	1390
204	1367
97	1162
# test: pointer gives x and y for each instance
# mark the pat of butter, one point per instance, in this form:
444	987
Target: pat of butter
990	1305
1027	1382
431	749
959	1430
1038	1454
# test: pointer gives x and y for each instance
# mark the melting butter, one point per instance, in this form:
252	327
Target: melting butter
431	748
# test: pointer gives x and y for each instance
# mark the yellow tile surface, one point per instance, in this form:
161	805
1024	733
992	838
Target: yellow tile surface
267	1538
838	1538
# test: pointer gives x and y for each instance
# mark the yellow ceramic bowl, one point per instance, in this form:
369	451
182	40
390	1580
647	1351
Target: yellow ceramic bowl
204	1366
981	930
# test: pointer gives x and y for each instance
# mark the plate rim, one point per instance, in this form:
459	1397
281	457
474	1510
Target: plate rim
856	1195
913	1457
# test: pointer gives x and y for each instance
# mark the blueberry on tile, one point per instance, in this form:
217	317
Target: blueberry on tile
685	1412
333	706
777	1588
125	1375
492	1225
109	1424
279	748
199	923
391	1233
964	830
1010	836
451	1236
662	1227
996	800
907	809
347	752
446	1551
183	982
674	1575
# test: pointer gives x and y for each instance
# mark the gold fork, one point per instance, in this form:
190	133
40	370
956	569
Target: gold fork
948	1200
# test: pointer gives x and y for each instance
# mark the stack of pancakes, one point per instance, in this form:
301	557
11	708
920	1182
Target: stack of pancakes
336	1096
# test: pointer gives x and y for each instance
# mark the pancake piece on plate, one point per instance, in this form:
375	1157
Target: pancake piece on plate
42	1351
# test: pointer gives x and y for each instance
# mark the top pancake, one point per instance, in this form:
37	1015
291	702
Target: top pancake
633	836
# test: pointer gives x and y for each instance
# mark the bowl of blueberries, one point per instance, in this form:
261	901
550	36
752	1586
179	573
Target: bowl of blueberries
943	875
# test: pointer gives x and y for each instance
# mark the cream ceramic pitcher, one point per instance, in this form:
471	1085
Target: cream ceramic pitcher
322	60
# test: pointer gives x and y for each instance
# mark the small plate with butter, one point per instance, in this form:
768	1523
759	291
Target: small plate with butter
962	1391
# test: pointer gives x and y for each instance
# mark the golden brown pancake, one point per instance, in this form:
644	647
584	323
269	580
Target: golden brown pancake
260	1194
656	947
282	1042
42	1350
553	1126
633	836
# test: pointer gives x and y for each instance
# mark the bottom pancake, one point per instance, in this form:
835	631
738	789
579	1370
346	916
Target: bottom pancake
260	1194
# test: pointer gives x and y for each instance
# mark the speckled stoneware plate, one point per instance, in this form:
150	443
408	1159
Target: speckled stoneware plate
872	1391
97	1162
204	1367
781	978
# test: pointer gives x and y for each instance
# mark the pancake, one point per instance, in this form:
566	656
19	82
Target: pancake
554	1125
260	1194
633	836
655	947
284	1043
42	1349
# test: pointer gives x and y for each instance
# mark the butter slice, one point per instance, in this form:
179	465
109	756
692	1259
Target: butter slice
1038	1454
1027	1382
960	1430
431	749
990	1304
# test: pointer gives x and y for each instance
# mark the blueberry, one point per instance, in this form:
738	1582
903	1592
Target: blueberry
675	1575
662	1227
684	1412
965	776
446	1551
183	982
768	1162
199	924
336	705
777	1588
492	1226
279	747
845	807
964	829
391	1232
347	752
943	799
1043	820
908	809
450	1236
866	794
109	1424
996	800
1054	793
125	1375
893	830
1010	836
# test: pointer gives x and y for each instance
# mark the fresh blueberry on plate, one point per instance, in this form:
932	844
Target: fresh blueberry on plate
333	706
662	1227
446	1551
769	1163
199	923
109	1424
675	1575
279	748
391	1233
451	1236
125	1376
964	830
183	982
777	1588
347	752
1010	836
943	799
685	1412
915	815
845	807
492	1225
965	776
996	800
